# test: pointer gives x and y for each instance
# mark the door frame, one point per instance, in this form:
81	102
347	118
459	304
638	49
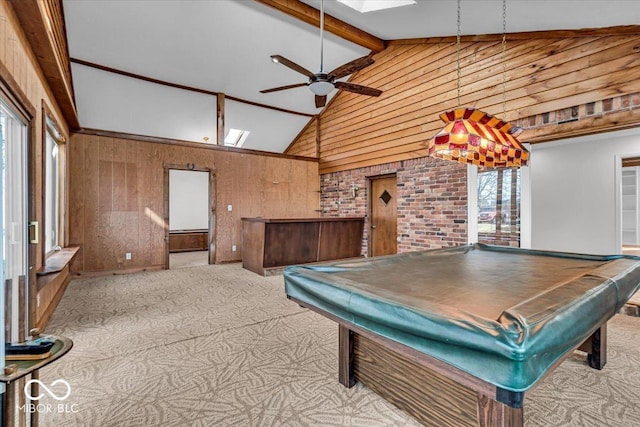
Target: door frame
18	101
370	180
211	237
618	196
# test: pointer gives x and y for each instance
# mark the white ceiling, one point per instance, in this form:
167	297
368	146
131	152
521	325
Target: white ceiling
225	45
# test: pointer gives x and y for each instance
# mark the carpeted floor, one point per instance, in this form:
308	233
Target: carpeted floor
188	259
221	346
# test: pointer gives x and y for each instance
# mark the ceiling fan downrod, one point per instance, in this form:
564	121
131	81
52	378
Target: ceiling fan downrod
321	36
321	83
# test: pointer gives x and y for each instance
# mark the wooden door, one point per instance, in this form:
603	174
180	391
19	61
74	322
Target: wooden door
383	219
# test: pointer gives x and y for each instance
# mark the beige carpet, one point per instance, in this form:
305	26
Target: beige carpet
188	259
221	346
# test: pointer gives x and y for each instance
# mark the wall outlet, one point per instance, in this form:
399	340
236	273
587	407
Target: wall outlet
233	248
127	256
230	208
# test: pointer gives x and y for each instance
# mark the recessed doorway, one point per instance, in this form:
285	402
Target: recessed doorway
190	216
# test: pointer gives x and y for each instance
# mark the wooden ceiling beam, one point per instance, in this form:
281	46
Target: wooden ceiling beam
183	87
43	24
310	15
621	30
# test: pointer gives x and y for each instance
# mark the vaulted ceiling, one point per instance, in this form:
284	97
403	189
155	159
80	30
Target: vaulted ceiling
225	46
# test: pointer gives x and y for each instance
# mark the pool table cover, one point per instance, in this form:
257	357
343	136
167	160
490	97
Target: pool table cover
504	315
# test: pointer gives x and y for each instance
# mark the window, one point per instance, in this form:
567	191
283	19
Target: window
236	137
13	216
499	207
630	205
364	6
52	155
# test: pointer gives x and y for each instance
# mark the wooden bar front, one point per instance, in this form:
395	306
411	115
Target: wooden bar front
274	243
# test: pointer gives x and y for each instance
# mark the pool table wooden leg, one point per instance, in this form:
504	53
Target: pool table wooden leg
345	357
493	413
596	348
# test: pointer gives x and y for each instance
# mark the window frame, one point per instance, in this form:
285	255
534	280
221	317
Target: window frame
51	128
19	104
240	137
511	209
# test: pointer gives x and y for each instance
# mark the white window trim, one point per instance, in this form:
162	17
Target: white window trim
472	203
52	132
525	203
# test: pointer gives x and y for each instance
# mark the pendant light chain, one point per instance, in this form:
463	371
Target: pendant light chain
474	137
458	53
504	59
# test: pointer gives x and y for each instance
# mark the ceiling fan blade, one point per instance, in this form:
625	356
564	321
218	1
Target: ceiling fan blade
362	90
295	67
351	67
321	101
275	89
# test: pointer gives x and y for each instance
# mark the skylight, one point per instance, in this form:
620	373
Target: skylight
236	137
364	6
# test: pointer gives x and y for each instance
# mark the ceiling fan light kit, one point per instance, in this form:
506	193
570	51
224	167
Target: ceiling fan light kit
321	88
322	84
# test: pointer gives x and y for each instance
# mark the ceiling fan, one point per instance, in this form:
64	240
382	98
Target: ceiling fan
321	83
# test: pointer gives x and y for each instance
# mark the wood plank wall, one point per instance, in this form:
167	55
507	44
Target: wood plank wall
546	71
305	144
17	58
117	200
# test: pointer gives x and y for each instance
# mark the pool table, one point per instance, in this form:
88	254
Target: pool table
457	336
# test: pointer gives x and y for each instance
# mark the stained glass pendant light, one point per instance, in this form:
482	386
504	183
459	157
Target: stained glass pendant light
475	137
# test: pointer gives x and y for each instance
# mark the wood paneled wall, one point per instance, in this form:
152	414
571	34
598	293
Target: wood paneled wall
306	141
19	62
117	200
546	71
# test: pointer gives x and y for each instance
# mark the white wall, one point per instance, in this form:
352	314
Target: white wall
122	104
117	103
188	200
270	130
573	192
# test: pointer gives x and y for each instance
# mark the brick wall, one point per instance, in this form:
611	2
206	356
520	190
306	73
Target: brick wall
432	200
578	112
432	194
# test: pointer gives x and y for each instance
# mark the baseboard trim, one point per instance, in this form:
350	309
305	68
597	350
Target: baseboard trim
83	274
